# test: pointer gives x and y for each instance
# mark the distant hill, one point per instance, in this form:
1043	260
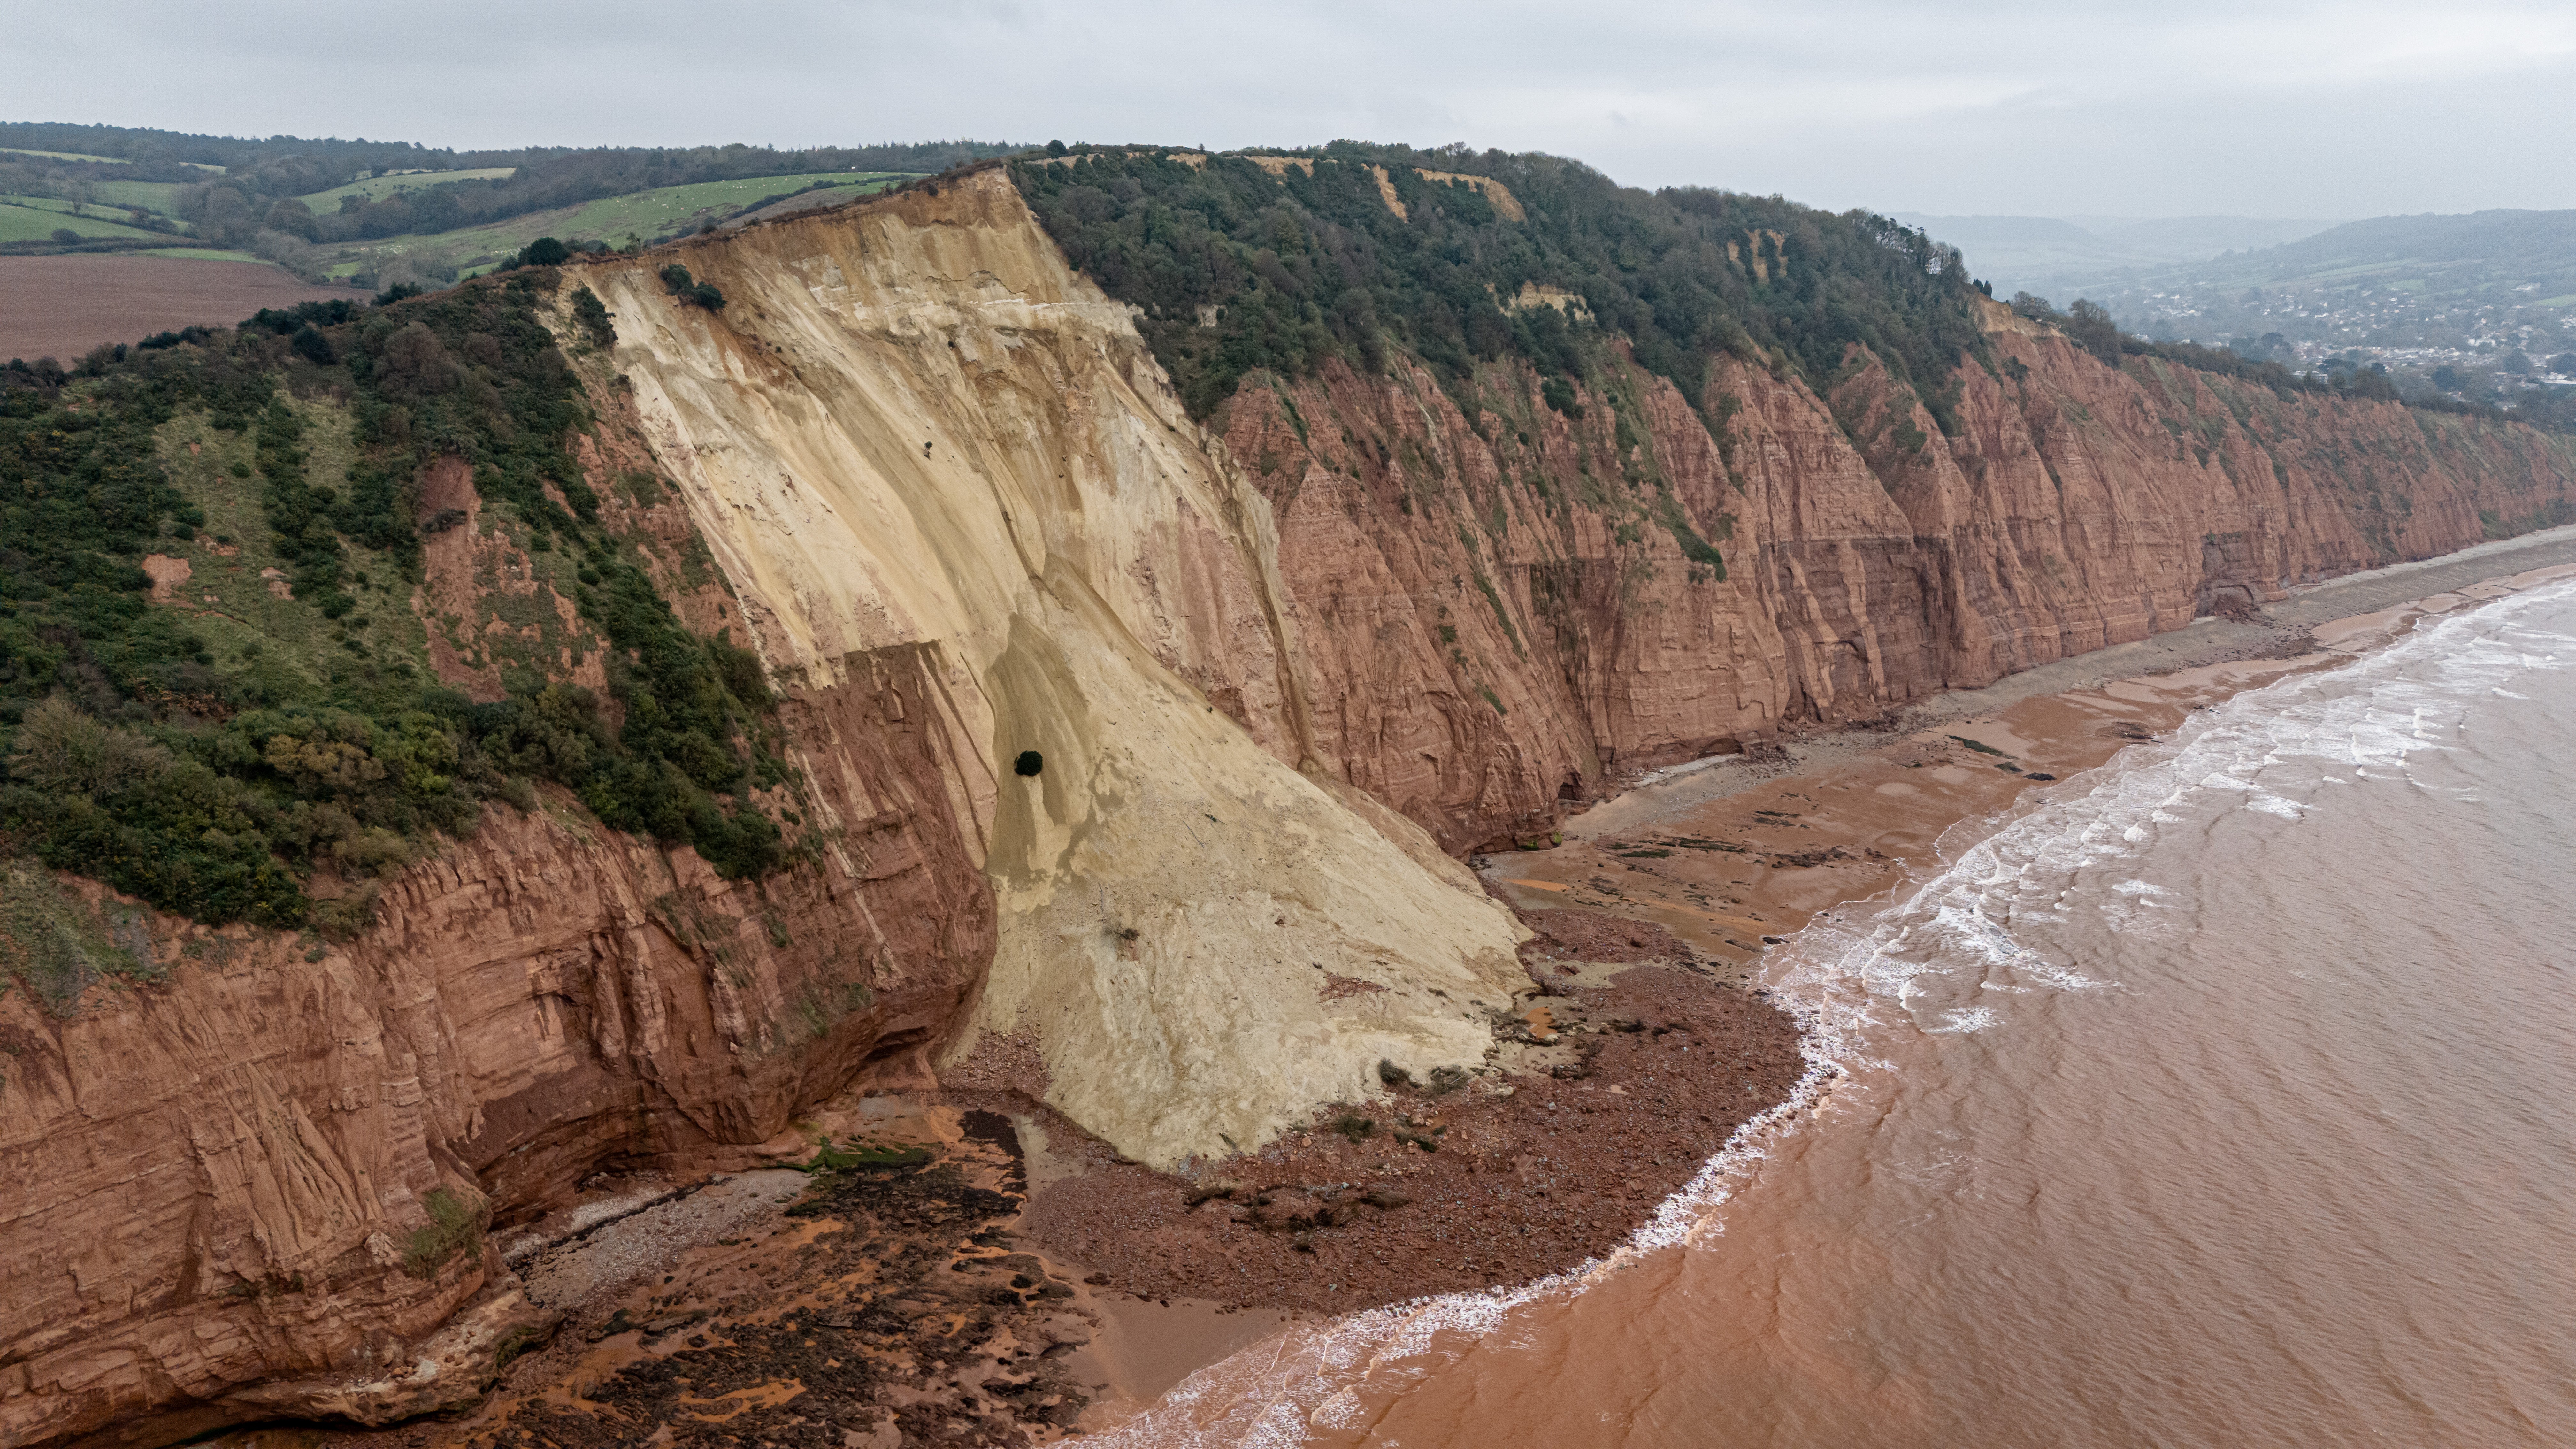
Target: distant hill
2423	289
2197	238
2507	247
2062	257
374	212
2012	249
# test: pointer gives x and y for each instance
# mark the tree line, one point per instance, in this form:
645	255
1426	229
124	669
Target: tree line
1237	268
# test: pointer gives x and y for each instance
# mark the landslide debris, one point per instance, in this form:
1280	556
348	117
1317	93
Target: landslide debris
1596	1103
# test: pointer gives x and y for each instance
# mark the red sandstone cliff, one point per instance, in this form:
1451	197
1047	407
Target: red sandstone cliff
1493	611
259	1187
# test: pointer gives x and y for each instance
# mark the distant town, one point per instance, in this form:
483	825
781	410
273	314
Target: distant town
2484	348
2475	308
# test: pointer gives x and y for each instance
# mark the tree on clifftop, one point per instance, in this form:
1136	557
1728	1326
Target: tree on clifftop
2093	330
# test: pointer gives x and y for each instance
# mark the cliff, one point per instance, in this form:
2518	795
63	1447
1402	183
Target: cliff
1496	613
261	1186
962	521
1263	670
914	429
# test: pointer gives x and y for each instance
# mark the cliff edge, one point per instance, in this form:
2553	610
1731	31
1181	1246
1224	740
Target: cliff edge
1132	723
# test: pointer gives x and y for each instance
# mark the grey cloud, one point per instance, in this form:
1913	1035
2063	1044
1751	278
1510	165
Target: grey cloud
1995	106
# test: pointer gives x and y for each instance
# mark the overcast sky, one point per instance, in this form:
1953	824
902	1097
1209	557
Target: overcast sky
2143	107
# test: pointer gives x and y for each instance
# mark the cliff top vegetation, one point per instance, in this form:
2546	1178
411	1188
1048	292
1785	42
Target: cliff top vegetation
213	686
1243	262
381	212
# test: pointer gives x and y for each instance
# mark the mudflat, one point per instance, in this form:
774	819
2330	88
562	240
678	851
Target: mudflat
61	307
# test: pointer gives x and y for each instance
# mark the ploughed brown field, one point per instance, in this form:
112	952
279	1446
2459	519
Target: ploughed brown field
61	307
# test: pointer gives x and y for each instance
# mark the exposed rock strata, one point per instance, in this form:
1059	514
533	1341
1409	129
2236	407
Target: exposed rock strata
954	501
220	1184
914	428
1493	618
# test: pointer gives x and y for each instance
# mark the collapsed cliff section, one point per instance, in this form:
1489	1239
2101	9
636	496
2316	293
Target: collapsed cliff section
633	732
912	430
1601	480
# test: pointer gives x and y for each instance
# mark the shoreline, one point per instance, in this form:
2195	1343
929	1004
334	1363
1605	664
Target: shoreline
1727	850
1032	1283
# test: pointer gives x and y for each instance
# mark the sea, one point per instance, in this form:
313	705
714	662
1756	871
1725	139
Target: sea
2222	1095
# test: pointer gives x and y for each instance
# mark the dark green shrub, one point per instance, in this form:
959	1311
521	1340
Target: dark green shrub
689	289
1302	266
592	314
455	1225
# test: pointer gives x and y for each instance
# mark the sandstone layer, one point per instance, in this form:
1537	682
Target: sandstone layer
1498	610
1269	671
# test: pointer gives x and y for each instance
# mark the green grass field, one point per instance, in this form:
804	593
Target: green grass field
650	213
150	195
35	221
207	254
381	186
643	214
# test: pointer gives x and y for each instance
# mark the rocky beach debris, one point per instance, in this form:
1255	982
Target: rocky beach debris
1596	1103
877	1298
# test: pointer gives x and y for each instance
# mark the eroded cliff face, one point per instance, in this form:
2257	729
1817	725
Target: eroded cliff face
913	428
1497	609
1270	670
261	1186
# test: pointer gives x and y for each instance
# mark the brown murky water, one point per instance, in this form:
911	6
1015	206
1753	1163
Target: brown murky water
2224	1095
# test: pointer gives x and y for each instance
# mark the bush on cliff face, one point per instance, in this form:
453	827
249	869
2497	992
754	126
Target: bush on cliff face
689	289
209	766
592	314
455	1226
1237	268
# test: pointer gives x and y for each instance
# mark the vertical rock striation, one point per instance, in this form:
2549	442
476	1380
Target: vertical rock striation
1496	610
914	427
1262	675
